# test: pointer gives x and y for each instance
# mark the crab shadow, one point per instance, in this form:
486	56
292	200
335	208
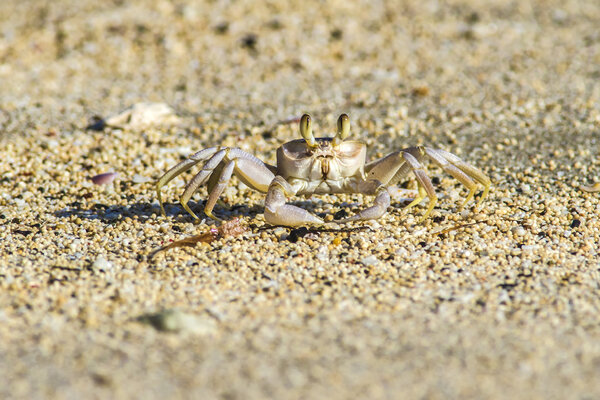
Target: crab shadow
227	212
110	214
107	213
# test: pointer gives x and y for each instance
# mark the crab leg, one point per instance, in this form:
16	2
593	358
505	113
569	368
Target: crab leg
390	169
462	171
246	167
199	179
180	169
251	170
382	201
277	212
425	185
221	184
217	171
253	174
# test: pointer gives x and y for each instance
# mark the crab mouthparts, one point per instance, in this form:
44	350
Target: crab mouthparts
325	166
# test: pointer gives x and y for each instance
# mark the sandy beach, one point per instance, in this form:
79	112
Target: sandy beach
496	302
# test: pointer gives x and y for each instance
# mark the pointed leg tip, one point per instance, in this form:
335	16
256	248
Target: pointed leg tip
162	209
468	198
210	215
316	221
479	203
189	210
422	219
483	196
432	203
413	203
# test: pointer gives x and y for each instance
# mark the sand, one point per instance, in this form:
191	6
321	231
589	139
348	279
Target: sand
497	302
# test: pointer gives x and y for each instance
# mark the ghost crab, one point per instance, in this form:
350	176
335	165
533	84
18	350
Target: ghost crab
317	166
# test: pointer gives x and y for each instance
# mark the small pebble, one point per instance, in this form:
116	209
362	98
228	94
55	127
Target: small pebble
178	321
137	178
369	260
101	264
519	231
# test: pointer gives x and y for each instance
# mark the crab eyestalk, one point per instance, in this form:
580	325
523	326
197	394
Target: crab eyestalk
306	131
343	129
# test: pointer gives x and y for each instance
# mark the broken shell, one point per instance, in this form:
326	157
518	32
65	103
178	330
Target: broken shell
105	178
144	115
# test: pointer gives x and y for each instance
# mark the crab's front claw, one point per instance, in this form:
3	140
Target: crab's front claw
277	212
289	215
382	202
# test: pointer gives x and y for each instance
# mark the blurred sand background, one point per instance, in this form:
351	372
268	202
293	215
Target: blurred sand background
506	305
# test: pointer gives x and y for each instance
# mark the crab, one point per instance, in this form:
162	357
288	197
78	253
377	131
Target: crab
318	166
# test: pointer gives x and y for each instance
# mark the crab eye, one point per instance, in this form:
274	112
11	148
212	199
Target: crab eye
343	129
306	130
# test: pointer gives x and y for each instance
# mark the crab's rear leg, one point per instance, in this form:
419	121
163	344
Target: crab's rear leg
224	172
278	212
180	168
249	169
217	172
462	171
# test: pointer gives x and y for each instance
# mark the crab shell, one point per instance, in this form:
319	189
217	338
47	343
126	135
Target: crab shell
324	164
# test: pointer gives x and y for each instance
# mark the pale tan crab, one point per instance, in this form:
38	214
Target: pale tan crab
317	166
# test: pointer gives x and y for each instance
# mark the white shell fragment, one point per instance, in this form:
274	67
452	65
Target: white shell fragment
137	178
144	115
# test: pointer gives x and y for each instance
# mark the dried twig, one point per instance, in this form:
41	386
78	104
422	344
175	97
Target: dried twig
229	228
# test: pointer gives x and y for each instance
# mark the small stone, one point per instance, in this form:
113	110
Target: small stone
279	231
178	321
369	260
101	264
20	203
519	231
322	253
137	178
